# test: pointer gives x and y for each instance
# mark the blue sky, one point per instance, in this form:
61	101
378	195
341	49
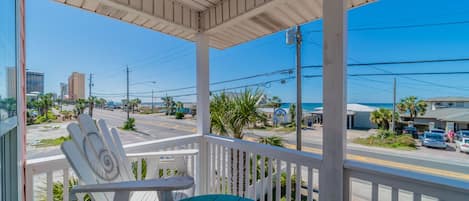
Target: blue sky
62	39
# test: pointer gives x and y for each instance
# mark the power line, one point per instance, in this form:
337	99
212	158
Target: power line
410	26
395	74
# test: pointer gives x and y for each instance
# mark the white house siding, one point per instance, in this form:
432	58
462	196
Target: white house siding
362	120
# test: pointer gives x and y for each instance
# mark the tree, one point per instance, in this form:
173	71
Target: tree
43	104
272	140
134	103
179	106
231	114
102	102
80	106
274	102
413	106
383	118
169	104
91	102
292	111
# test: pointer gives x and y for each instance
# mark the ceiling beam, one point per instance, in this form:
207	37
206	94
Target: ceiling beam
238	12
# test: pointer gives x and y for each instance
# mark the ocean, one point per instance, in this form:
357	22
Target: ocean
312	106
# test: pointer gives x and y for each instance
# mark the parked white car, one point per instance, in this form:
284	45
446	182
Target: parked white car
435	140
439	131
461	139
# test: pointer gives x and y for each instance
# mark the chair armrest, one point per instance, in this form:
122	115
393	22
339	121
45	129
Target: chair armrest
168	184
173	153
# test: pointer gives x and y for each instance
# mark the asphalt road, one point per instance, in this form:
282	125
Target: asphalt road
152	127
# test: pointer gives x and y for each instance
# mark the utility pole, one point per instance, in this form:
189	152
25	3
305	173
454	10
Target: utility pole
152	102
90	84
393	126
128	100
299	108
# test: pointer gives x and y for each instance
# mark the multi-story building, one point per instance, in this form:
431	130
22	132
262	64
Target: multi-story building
34	82
63	91
76	86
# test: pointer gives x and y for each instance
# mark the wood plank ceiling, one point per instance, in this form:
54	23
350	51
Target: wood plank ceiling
227	22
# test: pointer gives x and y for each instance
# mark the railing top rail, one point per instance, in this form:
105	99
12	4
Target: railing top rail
58	162
294	156
431	185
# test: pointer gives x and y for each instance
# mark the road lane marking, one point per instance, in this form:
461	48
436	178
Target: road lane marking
404	166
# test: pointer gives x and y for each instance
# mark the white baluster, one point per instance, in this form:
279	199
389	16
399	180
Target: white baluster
240	173
49	186
235	172
254	177
277	181
65	186
223	169
288	181
269	179
262	176
247	174
310	184
298	182
139	169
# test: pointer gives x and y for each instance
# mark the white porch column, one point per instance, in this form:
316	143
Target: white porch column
203	109
203	86
331	180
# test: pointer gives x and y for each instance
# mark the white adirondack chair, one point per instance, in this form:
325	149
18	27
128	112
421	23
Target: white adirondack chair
99	160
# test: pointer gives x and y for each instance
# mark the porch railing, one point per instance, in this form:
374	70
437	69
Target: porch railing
261	172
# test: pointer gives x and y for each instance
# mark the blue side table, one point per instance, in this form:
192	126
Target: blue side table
218	197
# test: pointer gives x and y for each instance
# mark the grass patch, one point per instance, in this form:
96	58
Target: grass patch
52	142
386	140
281	129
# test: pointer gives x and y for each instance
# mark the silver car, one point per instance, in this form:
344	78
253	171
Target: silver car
435	140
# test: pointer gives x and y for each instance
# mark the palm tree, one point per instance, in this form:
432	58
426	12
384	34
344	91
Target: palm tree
383	118
272	140
43	104
413	106
134	103
80	106
274	102
219	107
179	106
231	114
292	111
102	102
169	104
91	102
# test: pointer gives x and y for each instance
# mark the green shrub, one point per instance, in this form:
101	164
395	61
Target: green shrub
58	190
179	115
129	124
52	142
40	120
388	139
143	170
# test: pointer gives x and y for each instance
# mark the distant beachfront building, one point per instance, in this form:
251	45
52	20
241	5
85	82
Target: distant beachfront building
448	113
358	116
76	86
34	82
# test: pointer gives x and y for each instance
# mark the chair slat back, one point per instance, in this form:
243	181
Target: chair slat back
96	155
